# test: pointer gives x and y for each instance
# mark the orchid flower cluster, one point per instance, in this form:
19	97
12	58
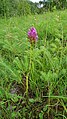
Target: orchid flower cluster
32	35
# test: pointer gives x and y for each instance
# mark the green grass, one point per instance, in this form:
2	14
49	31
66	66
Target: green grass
33	81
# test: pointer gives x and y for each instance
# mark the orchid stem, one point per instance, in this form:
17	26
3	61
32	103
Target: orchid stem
27	85
27	76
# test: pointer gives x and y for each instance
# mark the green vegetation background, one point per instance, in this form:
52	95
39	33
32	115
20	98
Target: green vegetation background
33	80
25	7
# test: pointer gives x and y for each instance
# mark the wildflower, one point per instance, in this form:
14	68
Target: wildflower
57	18
32	35
35	18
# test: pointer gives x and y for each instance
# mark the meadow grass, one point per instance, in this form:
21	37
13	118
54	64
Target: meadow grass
33	81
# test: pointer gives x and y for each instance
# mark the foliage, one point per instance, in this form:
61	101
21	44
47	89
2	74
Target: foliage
44	66
9	8
60	4
15	7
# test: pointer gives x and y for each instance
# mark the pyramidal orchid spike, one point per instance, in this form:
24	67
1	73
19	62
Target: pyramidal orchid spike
32	35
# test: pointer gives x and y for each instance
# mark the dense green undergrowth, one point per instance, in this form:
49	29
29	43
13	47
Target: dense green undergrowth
43	65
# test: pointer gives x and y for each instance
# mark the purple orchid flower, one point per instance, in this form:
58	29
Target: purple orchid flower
32	35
